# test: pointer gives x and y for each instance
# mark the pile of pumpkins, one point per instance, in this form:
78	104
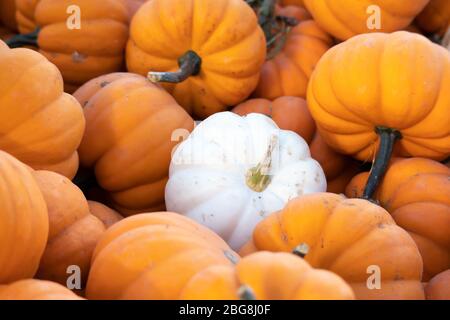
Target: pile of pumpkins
224	149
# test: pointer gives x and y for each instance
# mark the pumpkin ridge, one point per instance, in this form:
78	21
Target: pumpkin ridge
429	240
362	122
221	19
54	136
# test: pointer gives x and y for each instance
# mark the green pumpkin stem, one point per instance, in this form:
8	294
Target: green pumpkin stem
258	178
21	40
246	293
190	65
387	137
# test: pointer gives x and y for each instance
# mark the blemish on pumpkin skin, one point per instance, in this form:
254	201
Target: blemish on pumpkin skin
78	57
104	84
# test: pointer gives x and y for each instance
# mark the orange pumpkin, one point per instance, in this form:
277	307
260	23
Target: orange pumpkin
105	214
435	18
85	43
267	276
291	113
293	52
45	129
130	124
23	221
152	256
25	15
8	14
208	57
133	6
291	3
439	287
74	231
31	289
347	18
416	193
369	93
350	237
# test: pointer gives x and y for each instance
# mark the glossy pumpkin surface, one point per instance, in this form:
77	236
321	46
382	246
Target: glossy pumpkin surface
388	67
85	43
347	18
223	34
416	193
267	276
348	237
175	247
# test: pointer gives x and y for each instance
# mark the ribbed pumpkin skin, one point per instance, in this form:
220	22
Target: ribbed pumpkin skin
31	289
269	276
347	18
289	71
23	221
45	129
346	236
105	214
128	138
417	194
289	113
435	17
292	113
439	287
398	81
25	15
224	33
7	14
175	247
74	231
82	54
133	6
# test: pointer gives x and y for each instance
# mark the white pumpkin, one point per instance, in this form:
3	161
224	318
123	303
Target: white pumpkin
233	171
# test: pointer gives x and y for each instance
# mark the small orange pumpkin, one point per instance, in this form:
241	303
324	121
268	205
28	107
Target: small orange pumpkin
289	113
130	124
416	193
369	94
293	51
74	231
8	14
133	6
350	237
81	52
45	129
267	276
23	221
435	18
105	214
439	287
152	256
347	18
217	47
31	289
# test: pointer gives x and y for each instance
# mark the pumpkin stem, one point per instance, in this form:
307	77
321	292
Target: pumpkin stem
276	28
190	65
387	137
258	178
301	250
246	293
21	40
